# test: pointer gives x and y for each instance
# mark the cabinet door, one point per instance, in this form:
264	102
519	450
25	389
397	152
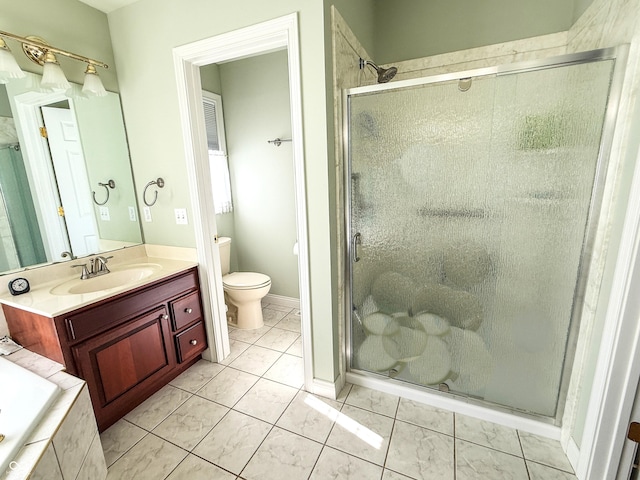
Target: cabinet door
123	362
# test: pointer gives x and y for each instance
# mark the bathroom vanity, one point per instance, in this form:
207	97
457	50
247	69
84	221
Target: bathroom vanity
126	345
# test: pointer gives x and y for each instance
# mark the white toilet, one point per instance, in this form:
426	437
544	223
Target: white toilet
242	290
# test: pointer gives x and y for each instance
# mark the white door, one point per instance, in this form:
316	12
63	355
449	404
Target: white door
72	179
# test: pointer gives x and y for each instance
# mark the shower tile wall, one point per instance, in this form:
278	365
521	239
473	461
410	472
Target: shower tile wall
606	23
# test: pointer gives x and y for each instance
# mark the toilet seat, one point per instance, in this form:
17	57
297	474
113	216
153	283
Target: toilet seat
245	280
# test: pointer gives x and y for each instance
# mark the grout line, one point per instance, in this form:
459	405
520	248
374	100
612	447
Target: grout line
526	466
455	445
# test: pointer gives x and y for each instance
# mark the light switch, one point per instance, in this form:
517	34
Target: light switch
147	214
181	216
132	214
104	214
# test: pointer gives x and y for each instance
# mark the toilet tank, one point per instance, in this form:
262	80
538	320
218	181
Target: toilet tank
224	243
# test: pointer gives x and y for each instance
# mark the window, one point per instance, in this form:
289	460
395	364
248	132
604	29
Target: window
216	145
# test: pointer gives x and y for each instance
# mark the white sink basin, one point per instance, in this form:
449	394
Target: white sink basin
118	277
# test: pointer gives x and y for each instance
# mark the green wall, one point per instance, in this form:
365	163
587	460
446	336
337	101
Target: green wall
5	106
255	95
408	29
210	78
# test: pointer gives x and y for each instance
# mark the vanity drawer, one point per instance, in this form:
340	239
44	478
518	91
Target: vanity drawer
191	342
186	310
86	322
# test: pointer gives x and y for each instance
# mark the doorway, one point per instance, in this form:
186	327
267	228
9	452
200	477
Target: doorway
278	34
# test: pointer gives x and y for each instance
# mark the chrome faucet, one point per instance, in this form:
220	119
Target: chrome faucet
97	266
68	254
85	271
100	265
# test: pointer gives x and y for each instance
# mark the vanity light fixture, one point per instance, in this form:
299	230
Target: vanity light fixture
53	78
8	66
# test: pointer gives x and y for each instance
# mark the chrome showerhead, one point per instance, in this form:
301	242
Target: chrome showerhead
384	74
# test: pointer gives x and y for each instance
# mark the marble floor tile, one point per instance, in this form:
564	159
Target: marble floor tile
157	407
248	336
296	348
190	422
279	307
391	475
334	464
236	347
119	438
266	400
93	465
228	386
283	455
195	468
288	369
255	360
420	453
277	339
474	462
150	458
373	400
344	393
197	376
361	433
545	451
425	416
310	416
233	441
290	322
487	434
273	314
542	472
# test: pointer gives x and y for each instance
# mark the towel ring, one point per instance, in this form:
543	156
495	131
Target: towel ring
159	183
110	184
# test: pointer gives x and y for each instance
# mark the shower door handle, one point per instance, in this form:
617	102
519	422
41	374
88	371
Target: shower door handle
355	241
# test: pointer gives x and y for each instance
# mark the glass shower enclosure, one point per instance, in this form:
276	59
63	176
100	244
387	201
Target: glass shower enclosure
471	205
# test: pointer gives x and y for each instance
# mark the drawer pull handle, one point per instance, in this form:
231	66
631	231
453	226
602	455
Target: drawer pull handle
193	342
165	316
188	310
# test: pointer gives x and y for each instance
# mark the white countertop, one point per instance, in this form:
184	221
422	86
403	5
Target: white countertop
41	301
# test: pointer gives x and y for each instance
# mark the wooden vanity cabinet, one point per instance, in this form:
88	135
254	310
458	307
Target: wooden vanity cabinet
126	347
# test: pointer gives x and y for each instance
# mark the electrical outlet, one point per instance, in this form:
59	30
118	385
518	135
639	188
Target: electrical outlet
104	214
181	216
132	214
147	214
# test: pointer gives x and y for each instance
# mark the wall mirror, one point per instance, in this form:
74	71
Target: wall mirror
66	183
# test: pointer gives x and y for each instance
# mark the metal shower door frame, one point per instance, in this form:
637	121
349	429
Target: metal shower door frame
618	55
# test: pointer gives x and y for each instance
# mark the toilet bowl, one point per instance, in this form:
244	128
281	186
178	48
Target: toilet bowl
243	291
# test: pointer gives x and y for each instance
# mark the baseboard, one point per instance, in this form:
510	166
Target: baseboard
326	389
573	454
282	301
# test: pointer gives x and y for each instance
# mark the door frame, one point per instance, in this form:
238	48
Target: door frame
277	34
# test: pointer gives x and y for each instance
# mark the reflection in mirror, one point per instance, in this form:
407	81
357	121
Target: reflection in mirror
47	184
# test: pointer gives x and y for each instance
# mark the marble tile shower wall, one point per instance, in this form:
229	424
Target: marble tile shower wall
347	52
606	23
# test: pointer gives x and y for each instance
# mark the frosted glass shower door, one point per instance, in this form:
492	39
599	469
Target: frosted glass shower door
468	218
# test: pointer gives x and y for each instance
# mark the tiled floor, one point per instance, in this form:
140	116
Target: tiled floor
249	419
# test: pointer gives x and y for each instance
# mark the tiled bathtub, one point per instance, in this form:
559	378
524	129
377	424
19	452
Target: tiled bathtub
65	443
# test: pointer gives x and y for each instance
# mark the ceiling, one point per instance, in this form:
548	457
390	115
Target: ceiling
107	6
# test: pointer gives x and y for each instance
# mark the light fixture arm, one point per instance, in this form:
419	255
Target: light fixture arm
45	47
